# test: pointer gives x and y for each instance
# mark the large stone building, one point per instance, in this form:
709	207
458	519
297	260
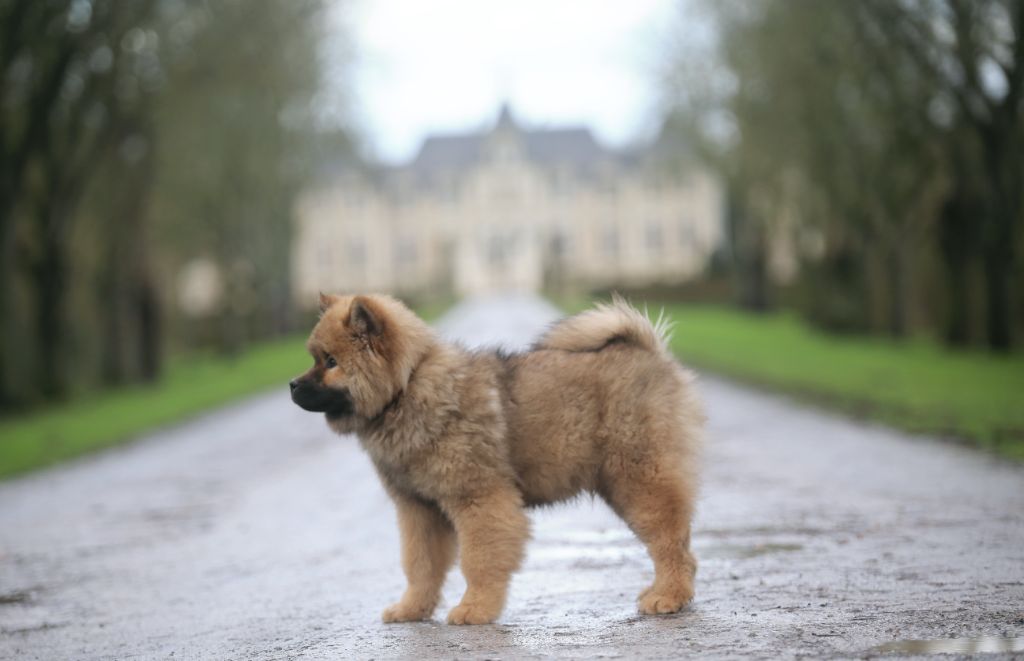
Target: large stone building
509	208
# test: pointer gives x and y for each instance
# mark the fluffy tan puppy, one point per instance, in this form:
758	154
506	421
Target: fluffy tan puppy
464	441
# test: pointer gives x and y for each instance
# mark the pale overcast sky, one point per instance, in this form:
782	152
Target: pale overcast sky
446	65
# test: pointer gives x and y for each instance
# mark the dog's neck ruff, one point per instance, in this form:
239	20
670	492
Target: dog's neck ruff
387	407
372	421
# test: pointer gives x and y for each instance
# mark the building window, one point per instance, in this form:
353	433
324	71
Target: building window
687	236
561	244
501	246
654	238
325	257
505	153
449	190
357	253
610	241
406	252
562	183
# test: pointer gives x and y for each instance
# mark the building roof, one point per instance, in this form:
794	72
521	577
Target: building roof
449	152
571	151
572	148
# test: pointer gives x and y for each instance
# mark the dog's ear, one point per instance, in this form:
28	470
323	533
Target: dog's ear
362	318
326	301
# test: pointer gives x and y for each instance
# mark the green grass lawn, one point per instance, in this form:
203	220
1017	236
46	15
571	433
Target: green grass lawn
915	385
191	386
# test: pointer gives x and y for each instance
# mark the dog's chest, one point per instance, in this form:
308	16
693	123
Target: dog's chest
403	464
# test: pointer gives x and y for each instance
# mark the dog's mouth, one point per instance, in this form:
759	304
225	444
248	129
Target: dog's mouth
335	404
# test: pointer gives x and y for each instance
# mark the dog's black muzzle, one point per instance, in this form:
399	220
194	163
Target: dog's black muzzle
319	399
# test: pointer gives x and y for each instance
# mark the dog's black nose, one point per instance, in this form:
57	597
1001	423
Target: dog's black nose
293	384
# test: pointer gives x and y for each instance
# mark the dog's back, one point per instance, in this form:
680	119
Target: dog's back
598	391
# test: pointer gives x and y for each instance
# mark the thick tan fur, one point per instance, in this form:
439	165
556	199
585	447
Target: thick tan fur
464	441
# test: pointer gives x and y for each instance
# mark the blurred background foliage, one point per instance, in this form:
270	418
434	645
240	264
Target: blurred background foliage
136	137
885	137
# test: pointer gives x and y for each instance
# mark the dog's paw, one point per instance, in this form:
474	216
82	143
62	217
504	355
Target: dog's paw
472	614
406	612
660	602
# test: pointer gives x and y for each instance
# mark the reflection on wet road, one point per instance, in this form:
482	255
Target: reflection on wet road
980	645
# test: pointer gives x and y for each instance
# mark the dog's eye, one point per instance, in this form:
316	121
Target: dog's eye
331	363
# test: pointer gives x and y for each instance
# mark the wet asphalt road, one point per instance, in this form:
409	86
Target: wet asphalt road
254	533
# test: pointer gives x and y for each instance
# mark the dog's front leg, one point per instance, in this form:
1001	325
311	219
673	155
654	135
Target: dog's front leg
428	550
492	532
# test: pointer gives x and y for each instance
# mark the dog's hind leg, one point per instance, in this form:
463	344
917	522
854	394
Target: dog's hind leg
492	532
428	551
658	508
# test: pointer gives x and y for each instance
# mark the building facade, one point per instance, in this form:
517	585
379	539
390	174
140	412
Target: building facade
509	208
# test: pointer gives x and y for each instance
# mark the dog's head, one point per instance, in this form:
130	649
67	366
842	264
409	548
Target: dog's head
364	349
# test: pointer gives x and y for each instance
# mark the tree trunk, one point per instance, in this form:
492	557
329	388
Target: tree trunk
749	259
54	213
1000	244
754	276
999	317
131	342
149	320
114	368
957	327
899	286
8	396
958	241
147	310
50	275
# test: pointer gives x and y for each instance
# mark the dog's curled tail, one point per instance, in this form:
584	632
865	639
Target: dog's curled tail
606	324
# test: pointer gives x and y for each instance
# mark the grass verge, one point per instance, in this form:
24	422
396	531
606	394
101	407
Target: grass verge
915	385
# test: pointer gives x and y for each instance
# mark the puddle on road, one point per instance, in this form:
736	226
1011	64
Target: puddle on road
744	551
606	537
604	542
17	597
617	545
982	644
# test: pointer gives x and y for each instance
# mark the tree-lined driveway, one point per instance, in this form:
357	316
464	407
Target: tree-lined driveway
254	533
